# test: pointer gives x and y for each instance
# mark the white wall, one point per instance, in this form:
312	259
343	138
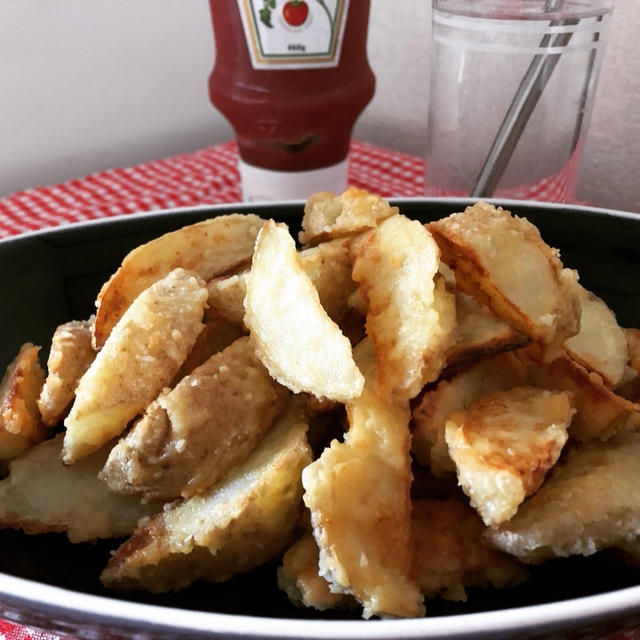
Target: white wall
87	85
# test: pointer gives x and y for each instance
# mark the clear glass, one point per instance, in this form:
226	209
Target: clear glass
511	92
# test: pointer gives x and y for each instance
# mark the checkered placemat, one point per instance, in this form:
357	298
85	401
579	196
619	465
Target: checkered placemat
207	176
210	176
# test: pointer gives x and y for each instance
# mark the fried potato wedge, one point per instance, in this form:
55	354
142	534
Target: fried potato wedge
458	393
300	345
236	526
589	502
504	445
600	413
207	248
299	578
141	356
70	356
20	423
452	554
480	334
502	261
327	215
410	314
358	493
601	344
328	266
192	435
42	495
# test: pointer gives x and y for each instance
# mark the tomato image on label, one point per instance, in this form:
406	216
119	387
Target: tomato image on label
295	12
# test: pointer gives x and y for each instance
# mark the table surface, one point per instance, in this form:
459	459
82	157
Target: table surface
207	176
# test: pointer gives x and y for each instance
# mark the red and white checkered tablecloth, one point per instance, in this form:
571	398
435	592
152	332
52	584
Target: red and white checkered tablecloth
207	176
210	176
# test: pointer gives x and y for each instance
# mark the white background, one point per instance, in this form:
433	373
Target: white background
87	85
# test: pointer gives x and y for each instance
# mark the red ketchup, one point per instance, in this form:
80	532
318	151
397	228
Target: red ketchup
292	77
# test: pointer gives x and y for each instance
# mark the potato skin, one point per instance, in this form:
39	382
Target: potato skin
191	436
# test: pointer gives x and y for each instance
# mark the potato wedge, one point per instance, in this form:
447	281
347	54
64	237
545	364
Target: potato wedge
458	393
327	215
192	435
209	248
42	495
238	525
328	266
600	413
298	577
589	502
295	339
410	314
502	260
358	495
452	554
601	344
70	356
480	334
141	356
504	445
20	423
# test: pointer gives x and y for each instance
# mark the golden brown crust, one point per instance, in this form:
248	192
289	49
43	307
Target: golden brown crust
20	423
502	261
70	356
209	248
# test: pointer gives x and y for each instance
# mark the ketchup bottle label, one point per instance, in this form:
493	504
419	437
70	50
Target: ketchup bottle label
293	34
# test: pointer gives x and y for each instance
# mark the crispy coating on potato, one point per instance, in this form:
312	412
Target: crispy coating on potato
589	502
194	434
457	394
358	493
300	345
70	355
299	578
502	260
42	495
209	248
410	314
141	356
327	215
451	552
236	526
20	423
601	344
504	445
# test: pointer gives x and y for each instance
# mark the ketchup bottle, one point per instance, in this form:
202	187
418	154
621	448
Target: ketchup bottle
292	77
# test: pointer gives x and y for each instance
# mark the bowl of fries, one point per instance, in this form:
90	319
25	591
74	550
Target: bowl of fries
345	417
